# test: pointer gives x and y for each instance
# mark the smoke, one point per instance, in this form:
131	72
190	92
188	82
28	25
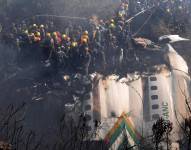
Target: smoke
7	61
80	8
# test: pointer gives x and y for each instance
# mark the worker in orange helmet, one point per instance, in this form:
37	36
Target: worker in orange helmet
84	41
85	37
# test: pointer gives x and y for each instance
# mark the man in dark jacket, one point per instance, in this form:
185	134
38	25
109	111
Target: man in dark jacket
85	58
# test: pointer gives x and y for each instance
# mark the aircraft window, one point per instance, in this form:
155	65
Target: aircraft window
153	78
155	106
113	114
89	128
155	116
153	87
88	107
87	96
87	117
154	97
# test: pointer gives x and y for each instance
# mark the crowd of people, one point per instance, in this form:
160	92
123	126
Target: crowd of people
100	44
105	45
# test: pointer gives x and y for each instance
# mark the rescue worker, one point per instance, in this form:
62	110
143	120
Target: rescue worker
34	28
37	37
48	46
14	29
85	59
42	32
64	39
31	37
25	36
74	57
112	28
85	37
56	40
97	36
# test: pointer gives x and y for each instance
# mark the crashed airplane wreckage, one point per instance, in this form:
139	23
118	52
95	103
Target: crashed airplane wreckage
119	109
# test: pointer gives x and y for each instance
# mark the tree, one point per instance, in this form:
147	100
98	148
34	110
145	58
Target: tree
161	131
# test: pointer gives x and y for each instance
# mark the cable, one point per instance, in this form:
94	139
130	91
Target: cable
146	21
67	17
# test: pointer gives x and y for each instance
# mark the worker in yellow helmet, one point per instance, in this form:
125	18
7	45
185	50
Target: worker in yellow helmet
37	37
37	34
74	44
120	15
112	26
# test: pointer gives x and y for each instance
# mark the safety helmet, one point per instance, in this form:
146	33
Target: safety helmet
112	21
54	34
126	5
122	4
26	32
34	25
48	34
37	34
68	38
180	7
74	44
41	26
86	32
64	36
101	21
84	41
86	48
66	77
112	25
120	15
168	10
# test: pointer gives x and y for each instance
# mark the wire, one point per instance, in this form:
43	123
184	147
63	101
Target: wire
67	17
146	21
